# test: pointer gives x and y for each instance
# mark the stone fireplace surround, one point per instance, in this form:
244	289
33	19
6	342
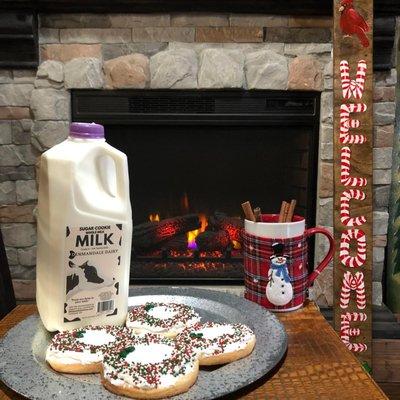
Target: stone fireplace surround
177	51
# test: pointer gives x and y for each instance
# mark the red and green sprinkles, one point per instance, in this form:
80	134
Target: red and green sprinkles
69	340
183	315
195	337
116	367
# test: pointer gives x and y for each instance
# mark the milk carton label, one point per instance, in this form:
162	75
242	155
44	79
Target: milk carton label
92	263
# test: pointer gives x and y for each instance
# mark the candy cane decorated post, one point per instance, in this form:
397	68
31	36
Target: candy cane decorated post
352	123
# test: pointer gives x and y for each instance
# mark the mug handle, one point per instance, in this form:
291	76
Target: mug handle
324	263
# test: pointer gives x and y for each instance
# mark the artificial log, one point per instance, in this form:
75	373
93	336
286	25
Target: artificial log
233	226
178	242
152	233
211	240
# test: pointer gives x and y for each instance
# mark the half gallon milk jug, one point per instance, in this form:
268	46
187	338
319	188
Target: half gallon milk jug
84	232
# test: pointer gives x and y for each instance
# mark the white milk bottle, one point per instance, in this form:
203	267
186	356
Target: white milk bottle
84	232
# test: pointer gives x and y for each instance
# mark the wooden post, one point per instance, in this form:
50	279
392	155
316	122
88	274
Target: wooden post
352	126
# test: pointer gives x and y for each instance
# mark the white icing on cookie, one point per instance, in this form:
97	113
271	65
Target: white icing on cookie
148	361
73	357
213	338
162	312
150	354
140	382
165	380
177	328
161	318
216	331
84	345
96	338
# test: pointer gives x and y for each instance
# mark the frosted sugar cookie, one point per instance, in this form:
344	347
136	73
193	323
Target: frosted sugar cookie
80	351
219	343
167	319
150	366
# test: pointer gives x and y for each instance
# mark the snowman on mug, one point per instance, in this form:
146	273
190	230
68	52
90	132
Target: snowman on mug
279	289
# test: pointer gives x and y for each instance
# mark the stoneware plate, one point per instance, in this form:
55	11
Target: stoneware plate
22	350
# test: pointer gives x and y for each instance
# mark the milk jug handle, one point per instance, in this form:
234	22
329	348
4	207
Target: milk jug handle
121	174
122	171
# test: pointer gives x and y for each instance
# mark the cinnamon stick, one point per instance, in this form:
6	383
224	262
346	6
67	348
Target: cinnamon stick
282	212
286	211
257	214
248	211
290	213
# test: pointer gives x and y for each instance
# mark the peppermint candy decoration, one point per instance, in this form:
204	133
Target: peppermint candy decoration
359	259
353	282
345	198
347	123
346	332
353	87
345	166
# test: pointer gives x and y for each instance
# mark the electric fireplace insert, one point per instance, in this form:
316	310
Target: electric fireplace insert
194	157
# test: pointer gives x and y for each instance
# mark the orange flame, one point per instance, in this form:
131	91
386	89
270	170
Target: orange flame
236	245
154	217
191	236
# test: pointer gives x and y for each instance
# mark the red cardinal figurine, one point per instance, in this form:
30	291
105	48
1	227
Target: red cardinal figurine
352	23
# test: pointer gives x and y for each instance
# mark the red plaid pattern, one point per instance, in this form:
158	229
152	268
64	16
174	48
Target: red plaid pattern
257	252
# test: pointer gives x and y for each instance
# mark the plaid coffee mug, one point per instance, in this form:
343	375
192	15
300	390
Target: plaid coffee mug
275	261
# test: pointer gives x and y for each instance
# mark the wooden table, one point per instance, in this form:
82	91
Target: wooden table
317	365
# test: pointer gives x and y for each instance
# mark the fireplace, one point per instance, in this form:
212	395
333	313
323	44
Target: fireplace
194	157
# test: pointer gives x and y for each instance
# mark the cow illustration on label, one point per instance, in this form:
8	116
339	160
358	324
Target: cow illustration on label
279	290
89	274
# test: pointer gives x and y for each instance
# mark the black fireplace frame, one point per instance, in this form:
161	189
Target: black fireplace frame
98	102
206	107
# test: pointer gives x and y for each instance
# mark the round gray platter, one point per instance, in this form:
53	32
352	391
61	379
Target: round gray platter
22	350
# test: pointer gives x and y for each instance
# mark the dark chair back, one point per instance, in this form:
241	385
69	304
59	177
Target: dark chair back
7	297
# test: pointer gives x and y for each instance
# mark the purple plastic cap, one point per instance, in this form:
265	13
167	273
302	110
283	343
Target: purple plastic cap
85	130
